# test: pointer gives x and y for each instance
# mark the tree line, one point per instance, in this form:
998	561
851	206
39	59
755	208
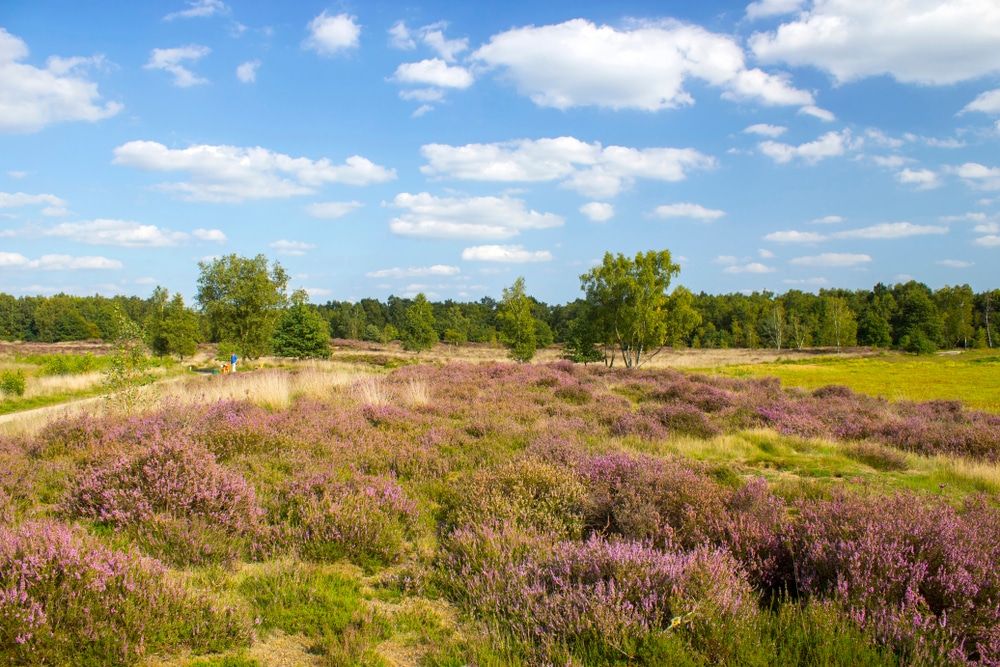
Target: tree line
627	313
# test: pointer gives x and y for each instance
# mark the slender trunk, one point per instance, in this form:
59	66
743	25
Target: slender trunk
989	336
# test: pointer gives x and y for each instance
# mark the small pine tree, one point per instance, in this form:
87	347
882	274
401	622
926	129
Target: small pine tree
301	333
418	332
517	323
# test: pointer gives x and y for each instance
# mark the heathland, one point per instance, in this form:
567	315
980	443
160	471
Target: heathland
452	508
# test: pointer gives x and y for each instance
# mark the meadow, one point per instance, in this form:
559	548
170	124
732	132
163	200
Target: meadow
374	511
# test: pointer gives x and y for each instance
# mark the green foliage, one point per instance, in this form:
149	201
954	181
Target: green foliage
12	383
243	300
682	318
543	334
631	302
839	326
517	324
127	367
171	327
302	333
418	332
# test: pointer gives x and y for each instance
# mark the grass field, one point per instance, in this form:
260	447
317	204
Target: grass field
972	377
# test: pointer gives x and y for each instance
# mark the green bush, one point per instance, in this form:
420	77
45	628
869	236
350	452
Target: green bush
12	383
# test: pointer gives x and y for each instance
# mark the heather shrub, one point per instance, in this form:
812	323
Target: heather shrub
175	499
65	599
364	518
686	419
574	394
230	429
528	493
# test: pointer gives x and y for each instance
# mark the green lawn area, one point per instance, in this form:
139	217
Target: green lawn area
972	377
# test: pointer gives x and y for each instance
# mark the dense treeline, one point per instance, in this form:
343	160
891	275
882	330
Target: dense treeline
908	316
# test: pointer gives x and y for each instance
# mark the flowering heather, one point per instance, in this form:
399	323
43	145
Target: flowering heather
66	599
364	517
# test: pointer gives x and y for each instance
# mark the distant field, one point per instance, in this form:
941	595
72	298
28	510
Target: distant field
972	377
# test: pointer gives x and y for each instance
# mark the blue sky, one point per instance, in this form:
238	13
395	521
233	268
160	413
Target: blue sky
384	148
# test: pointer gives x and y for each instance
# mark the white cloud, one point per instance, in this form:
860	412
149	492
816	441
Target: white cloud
433	36
333	209
170	60
833	259
880	138
511	254
329	35
215	235
816	112
590	169
33	98
400	38
121	233
725	259
292	248
598	211
890	230
988	102
956	263
19	199
827	220
247	72
57	262
831	144
434	72
915	41
765	8
199	9
17	174
987	228
765	253
806	281
891	161
415	271
687	210
950	142
490	218
924	179
422	94
145	281
991	241
792	236
234	174
966	217
979	176
578	63
752	267
763	129
421	110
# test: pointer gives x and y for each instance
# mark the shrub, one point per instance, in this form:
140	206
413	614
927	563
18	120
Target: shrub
877	456
12	383
66	599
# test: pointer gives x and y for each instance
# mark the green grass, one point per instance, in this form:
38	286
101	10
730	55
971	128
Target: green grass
972	377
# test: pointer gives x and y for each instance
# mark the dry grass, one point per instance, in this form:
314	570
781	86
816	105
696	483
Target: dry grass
415	392
48	385
370	390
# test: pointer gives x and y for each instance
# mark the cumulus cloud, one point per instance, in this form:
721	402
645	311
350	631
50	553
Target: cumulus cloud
832	259
792	236
121	233
763	129
987	228
247	72
590	169
827	220
19	199
914	41
511	254
333	209
891	161
752	267
58	262
578	63
169	60
831	144
433	72
33	98
415	271
923	179
956	263
234	174
765	8
330	35
686	210
292	248
891	230
988	102
215	235
816	112
400	37
598	211
765	253
485	218
991	241
806	281
979	176
199	9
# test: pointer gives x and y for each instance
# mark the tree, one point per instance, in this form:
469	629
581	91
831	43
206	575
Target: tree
955	305
418	330
126	370
302	333
517	323
243	301
839	326
773	325
180	330
631	302
583	337
682	318
916	325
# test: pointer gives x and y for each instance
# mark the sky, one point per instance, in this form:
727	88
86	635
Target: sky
378	148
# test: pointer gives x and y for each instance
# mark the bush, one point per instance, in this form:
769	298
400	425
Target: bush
12	383
67	600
